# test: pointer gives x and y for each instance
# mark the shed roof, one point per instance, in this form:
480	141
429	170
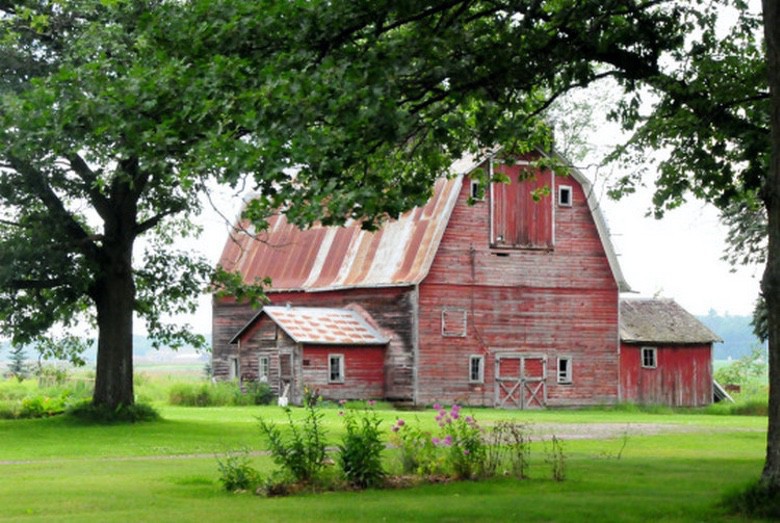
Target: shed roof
320	325
400	253
661	321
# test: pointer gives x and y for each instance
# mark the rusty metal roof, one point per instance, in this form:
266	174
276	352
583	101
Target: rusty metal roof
661	321
400	253
326	258
321	325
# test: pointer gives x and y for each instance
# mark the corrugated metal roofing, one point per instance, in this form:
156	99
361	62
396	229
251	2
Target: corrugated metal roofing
400	253
661	321
322	325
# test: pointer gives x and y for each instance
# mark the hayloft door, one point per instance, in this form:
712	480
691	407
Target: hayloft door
521	381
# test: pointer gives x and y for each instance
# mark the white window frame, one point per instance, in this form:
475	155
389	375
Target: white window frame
474	191
449	328
648	350
480	361
565	189
339	358
263	368
565	377
234	368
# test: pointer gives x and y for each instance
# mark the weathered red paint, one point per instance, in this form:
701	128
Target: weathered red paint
681	378
550	291
363	372
522	215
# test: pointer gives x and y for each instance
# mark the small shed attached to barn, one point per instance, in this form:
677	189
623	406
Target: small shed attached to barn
665	354
337	352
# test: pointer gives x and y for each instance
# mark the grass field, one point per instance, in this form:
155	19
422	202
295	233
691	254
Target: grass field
674	467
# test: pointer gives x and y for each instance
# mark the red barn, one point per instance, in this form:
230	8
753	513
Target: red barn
512	301
665	354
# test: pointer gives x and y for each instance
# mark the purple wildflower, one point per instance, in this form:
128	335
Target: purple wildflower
435	441
401	423
395	428
371	403
448	440
342	402
436	406
469	419
455	415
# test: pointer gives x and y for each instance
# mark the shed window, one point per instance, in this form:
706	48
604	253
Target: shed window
521	211
263	368
233	368
649	360
453	323
476	369
564	196
564	370
336	368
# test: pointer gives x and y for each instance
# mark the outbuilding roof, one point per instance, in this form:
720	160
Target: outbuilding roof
320	325
661	321
400	253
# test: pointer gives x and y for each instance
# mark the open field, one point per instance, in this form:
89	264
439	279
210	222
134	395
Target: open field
674	467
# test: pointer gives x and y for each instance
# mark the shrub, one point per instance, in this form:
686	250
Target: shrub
556	458
755	501
509	444
236	473
416	449
220	394
463	440
302	455
259	393
360	451
88	412
41	406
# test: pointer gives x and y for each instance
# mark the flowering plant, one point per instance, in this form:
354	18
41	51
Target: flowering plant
462	437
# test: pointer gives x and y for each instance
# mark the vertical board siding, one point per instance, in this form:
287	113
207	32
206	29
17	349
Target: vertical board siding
520	220
682	376
557	302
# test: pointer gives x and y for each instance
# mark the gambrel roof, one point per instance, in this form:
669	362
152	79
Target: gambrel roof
657	321
400	253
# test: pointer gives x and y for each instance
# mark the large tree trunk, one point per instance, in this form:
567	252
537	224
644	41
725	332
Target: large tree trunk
114	296
770	285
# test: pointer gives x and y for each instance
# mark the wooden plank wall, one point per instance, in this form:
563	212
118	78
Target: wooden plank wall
682	377
561	302
363	371
391	307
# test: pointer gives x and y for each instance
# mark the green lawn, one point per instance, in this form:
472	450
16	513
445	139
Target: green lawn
56	470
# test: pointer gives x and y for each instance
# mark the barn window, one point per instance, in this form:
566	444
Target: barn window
336	368
453	323
521	211
649	359
476	369
475	191
564	196
233	368
564	370
263	368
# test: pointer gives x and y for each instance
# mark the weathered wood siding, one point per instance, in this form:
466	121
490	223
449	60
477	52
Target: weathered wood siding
363	371
392	308
227	318
561	302
522	212
682	376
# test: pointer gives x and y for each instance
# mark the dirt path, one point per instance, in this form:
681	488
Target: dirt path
538	431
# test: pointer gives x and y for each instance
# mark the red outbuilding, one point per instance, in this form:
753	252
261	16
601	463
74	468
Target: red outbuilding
508	300
665	354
